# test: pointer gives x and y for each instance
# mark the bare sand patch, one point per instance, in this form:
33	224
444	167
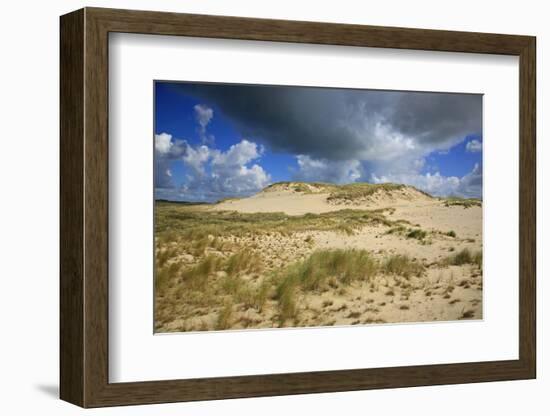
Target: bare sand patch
288	202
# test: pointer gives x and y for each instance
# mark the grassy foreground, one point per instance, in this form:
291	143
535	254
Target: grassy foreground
213	272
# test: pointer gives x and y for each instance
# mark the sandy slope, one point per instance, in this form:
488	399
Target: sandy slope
290	203
282	199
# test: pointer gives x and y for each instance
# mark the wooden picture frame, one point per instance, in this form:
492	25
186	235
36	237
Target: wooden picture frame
84	207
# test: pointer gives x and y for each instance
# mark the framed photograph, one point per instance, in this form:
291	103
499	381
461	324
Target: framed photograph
257	207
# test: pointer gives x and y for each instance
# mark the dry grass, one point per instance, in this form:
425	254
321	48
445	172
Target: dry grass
344	265
461	202
286	297
413	233
321	271
224	320
417	234
211	272
199	228
196	277
467	314
464	256
244	261
166	275
354	191
403	266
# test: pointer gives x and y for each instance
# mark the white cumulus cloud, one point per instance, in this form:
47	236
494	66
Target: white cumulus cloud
203	115
469	185
238	154
166	149
211	174
195	157
163	143
323	170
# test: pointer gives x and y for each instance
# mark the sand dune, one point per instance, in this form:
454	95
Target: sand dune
290	203
316	200
409	204
403	222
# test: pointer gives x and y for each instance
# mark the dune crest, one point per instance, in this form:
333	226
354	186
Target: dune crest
298	198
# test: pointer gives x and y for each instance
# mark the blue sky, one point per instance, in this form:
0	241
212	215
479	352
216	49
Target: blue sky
214	141
457	161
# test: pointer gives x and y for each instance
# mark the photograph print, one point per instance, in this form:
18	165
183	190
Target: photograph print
293	206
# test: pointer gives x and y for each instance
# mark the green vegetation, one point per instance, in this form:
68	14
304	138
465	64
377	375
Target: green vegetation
337	193
355	191
402	266
417	234
326	269
165	276
323	270
464	256
467	314
303	187
243	261
203	225
196	277
225	269
225	317
461	202
300	187
414	233
314	272
400	229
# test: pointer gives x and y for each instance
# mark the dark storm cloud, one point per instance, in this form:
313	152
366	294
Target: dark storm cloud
339	124
435	118
471	185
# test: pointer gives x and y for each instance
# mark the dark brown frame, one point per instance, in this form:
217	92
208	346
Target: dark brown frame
84	209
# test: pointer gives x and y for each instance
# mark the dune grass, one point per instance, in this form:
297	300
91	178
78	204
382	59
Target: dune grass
243	261
399	229
315	273
165	276
204	273
302	187
203	267
217	281
202	227
402	265
417	234
412	233
197	277
354	191
319	271
347	192
225	317
461	202
464	256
